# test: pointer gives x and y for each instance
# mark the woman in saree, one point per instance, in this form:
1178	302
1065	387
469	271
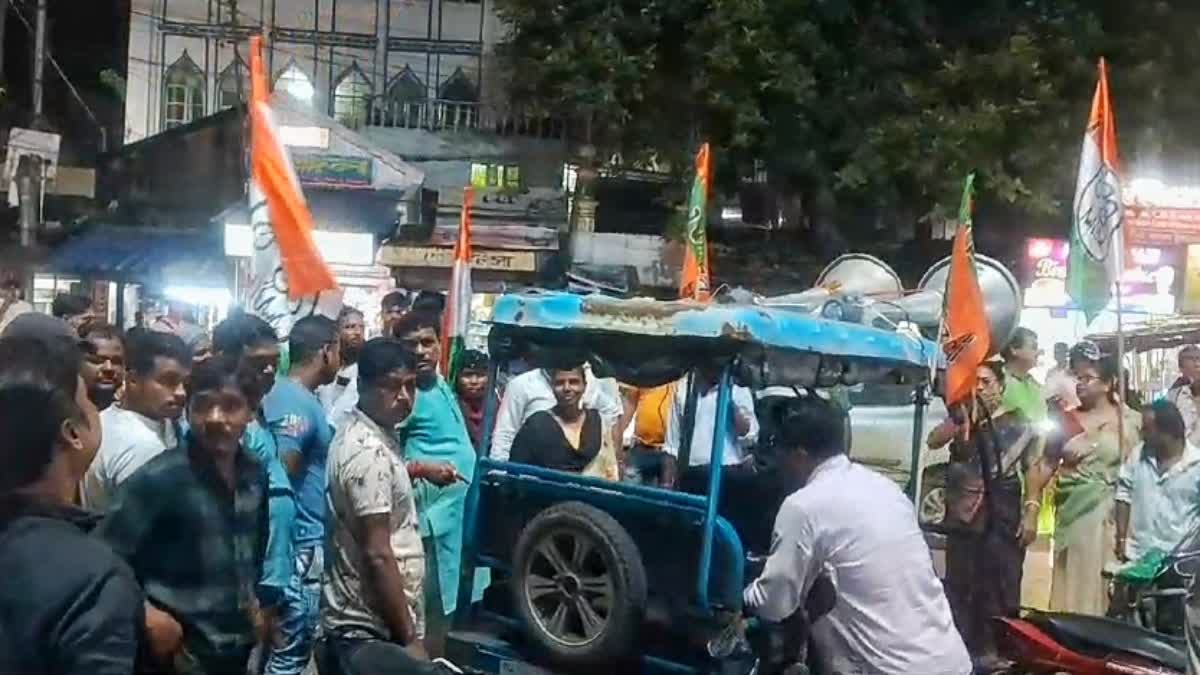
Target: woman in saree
1101	434
988	525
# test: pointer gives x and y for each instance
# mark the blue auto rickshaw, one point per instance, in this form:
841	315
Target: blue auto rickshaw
597	576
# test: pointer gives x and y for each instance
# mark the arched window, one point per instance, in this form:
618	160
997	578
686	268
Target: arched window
233	85
184	89
352	97
293	80
406	100
458	101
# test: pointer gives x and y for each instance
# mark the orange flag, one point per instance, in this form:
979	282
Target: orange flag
694	282
274	179
966	339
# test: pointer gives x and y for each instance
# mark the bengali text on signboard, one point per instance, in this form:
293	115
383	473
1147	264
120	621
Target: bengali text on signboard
429	256
1155	226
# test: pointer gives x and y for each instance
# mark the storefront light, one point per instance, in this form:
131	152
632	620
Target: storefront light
199	295
304	137
342	248
1041	248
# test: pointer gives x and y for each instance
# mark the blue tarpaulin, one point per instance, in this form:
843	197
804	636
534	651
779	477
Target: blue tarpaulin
153	256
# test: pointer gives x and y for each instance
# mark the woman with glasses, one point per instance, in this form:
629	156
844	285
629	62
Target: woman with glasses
1100	435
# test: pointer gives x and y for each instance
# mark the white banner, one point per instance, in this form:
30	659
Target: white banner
268	292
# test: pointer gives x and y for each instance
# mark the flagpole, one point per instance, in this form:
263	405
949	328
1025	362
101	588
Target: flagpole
1120	253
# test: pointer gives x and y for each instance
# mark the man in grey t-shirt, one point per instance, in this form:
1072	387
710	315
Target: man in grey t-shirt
374	583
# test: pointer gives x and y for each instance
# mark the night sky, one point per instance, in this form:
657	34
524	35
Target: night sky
85	37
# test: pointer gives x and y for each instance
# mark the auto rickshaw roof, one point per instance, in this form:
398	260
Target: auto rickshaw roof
647	342
1169	333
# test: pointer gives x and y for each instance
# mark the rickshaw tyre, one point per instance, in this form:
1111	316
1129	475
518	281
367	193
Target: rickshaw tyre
623	559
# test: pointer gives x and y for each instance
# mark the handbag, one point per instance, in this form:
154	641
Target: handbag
965	496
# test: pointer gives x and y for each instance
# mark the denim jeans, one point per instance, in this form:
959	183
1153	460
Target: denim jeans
300	615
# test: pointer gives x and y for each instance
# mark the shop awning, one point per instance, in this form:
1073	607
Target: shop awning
153	256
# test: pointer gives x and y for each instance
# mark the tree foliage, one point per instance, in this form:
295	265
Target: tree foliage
863	109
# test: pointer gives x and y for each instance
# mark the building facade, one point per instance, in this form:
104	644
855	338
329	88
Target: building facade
386	63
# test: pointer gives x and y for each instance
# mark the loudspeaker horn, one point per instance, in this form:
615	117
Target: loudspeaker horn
852	274
1001	295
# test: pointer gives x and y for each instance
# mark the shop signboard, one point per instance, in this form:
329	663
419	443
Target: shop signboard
1156	226
1157	214
336	171
1148	283
430	256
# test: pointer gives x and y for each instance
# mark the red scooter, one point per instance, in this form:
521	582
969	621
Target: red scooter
1045	643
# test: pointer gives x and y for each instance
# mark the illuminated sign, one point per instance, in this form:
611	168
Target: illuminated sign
304	137
346	248
1157	214
1149	279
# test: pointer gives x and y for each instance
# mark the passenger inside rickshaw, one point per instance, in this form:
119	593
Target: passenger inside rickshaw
579	435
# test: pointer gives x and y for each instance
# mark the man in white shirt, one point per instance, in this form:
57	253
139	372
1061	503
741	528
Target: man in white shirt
351	335
143	425
530	392
852	524
740	434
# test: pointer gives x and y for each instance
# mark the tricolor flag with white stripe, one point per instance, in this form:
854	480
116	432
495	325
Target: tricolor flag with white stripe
1097	254
289	278
458	300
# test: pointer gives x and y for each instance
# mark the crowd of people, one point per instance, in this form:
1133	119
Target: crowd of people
1124	484
171	499
173	503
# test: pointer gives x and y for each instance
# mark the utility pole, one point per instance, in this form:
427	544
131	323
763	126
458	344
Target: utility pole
39	59
31	172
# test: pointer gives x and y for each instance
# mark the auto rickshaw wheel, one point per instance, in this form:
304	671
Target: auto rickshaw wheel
579	586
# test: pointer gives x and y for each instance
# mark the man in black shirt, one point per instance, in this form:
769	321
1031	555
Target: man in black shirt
68	605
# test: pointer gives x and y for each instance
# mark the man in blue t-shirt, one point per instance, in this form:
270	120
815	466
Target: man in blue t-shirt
303	434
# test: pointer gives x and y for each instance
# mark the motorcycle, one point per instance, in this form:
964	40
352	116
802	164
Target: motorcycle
1045	643
1056	642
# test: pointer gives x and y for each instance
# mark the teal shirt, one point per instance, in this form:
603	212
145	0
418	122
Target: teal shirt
437	432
